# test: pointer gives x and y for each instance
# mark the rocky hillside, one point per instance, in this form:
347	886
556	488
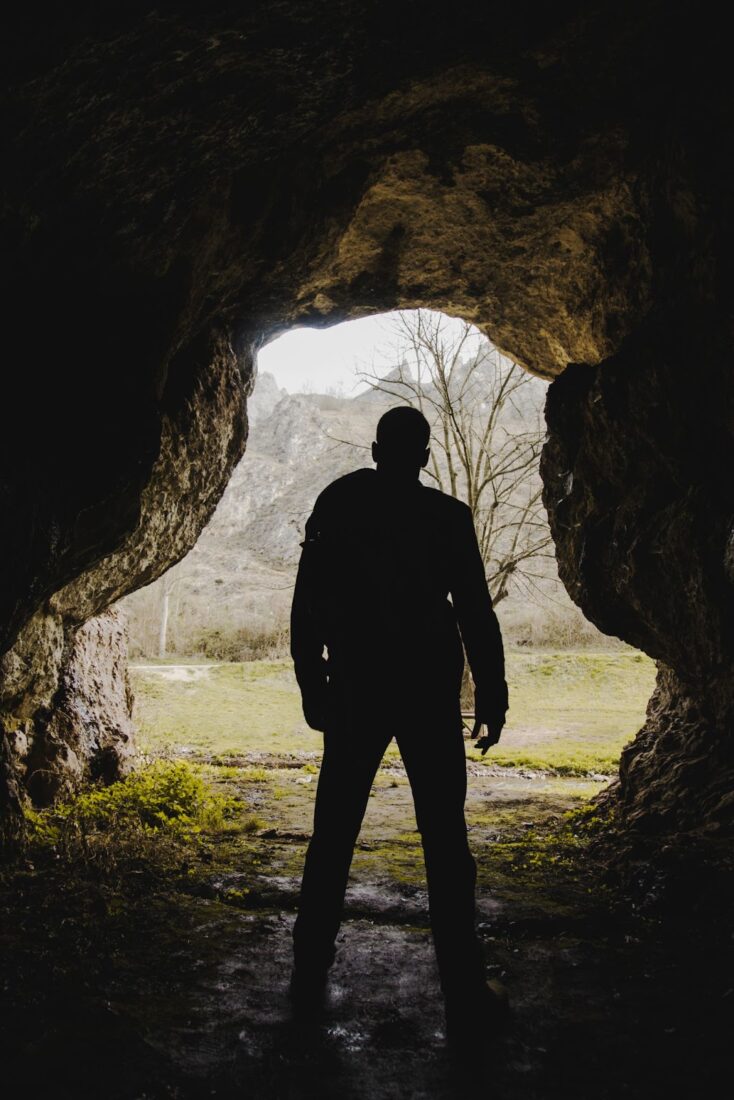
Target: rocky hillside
239	576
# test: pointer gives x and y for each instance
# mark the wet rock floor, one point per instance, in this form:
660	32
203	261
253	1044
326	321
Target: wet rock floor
177	987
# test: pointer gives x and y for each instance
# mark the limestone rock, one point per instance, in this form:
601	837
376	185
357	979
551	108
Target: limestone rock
181	186
642	519
87	734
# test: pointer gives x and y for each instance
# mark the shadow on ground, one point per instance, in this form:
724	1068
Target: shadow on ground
143	987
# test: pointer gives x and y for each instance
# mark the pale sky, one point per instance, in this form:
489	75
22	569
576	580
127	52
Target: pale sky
319	360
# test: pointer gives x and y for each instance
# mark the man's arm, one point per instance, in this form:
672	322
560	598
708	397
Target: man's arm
480	631
307	642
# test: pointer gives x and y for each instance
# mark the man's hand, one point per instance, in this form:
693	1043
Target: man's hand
313	681
315	702
490	708
314	711
492	735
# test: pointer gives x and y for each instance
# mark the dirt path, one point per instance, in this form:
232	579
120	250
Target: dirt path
179	989
188	673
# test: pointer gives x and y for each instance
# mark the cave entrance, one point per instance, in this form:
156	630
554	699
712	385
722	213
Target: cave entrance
209	639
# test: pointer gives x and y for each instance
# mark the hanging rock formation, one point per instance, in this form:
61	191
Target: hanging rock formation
183	184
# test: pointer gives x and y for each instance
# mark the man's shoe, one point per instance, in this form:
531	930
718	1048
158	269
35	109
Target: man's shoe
307	990
473	1016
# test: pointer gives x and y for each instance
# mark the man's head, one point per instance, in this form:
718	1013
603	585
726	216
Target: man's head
401	445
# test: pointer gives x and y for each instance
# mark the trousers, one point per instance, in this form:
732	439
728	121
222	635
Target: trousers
435	762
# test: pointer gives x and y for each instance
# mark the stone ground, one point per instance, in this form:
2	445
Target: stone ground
140	987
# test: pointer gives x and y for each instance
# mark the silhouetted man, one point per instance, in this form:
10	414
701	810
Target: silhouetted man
381	556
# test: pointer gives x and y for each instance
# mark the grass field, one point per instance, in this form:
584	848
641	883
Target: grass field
571	711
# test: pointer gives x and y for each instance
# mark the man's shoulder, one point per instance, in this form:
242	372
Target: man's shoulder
444	506
345	488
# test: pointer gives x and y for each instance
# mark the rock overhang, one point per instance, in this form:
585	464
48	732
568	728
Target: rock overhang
185	183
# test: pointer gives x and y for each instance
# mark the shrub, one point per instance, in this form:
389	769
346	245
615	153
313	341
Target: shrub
241	644
149	816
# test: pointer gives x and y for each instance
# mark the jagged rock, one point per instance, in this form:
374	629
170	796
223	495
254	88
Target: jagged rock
202	436
87	732
642	519
264	398
180	187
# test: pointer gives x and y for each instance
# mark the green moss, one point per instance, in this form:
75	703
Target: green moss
562	756
223	773
253	824
399	857
162	797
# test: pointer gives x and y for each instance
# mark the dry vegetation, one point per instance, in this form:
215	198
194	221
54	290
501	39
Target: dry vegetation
229	598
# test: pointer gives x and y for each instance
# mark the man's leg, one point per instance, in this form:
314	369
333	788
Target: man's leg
348	769
436	766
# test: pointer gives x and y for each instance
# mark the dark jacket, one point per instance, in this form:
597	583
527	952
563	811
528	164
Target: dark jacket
379	563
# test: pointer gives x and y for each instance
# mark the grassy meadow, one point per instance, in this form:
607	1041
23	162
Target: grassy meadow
571	712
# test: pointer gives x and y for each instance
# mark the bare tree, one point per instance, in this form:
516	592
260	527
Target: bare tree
486	437
168	584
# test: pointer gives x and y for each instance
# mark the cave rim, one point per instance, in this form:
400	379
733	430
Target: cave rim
596	20
329	323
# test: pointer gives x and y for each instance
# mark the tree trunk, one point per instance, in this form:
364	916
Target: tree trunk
163	624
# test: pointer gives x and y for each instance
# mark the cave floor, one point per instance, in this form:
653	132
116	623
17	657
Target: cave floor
139	986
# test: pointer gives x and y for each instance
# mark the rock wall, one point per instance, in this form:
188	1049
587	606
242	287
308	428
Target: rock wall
184	184
65	721
641	508
87	733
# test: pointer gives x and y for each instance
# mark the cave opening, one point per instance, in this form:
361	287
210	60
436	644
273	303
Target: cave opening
312	414
220	736
180	189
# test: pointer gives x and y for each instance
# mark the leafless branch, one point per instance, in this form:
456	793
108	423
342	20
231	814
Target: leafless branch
484	448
